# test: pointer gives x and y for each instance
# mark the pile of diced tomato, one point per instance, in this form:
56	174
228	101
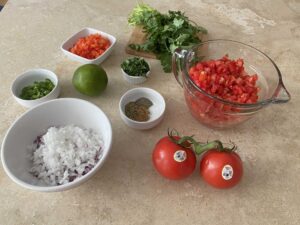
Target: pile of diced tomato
226	79
91	46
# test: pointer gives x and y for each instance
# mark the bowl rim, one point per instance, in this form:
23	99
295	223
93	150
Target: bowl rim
256	105
28	73
135	79
140	89
69	185
94	31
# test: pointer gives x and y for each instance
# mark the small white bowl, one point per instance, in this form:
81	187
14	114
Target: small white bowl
28	78
135	79
69	43
58	112
157	110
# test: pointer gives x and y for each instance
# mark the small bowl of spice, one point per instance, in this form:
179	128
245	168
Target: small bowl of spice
135	70
34	87
142	108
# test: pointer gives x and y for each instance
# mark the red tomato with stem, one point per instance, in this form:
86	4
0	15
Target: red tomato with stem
221	169
172	160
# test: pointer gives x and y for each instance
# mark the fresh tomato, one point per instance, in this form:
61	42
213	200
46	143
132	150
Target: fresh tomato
221	169
173	161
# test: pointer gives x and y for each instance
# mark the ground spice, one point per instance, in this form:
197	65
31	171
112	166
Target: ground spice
138	110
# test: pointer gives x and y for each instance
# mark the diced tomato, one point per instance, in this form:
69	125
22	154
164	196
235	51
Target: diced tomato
91	46
226	79
199	66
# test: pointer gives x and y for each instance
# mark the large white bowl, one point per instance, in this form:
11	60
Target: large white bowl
28	78
69	43
34	122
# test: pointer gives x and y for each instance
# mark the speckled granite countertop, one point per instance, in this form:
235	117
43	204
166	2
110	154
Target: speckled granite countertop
127	190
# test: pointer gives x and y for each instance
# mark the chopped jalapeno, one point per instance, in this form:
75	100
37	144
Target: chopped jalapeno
37	90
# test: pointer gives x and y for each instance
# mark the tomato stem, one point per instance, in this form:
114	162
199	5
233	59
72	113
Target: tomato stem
218	145
198	147
185	141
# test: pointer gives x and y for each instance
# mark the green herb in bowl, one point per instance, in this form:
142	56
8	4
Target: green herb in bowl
37	90
135	67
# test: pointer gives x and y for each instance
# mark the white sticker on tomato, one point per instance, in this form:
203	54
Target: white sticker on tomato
227	172
180	156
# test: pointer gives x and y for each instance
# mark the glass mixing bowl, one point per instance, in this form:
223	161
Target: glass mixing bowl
213	111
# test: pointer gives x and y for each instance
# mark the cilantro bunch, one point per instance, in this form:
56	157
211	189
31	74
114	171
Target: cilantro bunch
164	32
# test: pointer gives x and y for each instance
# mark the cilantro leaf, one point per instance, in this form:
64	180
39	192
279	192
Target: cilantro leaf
178	22
166	61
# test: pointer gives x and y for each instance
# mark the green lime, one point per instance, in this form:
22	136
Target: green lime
90	79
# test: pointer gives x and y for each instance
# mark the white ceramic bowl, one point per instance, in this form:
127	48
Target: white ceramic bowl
59	112
135	79
28	78
157	110
83	33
